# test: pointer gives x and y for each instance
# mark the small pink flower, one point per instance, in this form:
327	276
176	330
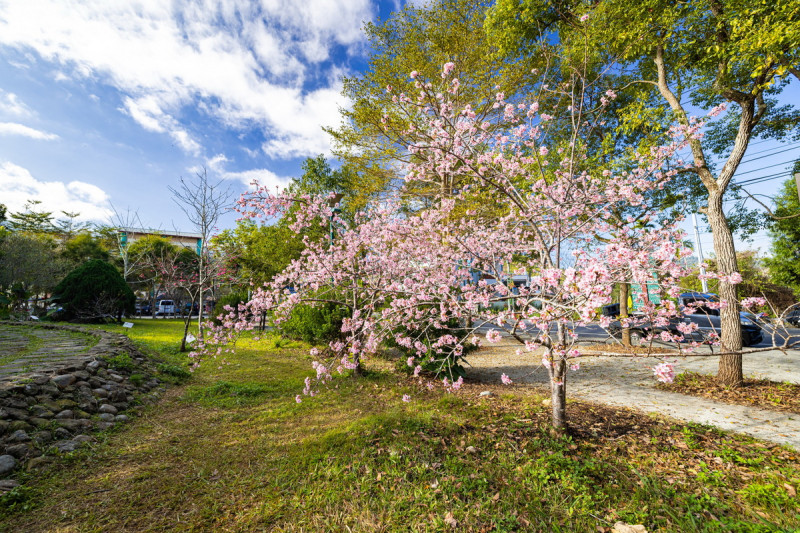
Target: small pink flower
585	17
505	379
664	372
493	336
406	398
414	74
298	399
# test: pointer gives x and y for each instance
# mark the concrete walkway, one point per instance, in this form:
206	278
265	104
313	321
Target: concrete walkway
629	382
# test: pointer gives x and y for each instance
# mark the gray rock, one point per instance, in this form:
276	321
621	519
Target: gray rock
62	433
106	417
19	450
40	379
93	366
108	408
102	426
3	426
8	484
39	462
7	464
100	393
40	411
66	413
15	413
19	424
84	438
66	403
43	437
118	396
64	380
486	394
40	422
66	446
19	436
121	418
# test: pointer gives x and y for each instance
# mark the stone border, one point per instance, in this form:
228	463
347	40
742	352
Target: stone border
52	410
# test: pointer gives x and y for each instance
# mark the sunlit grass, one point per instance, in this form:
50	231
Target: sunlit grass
232	451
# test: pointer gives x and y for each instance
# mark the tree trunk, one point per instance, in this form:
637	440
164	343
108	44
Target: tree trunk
730	365
558	393
624	291
186	325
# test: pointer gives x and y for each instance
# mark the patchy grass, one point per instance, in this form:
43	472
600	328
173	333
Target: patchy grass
761	393
232	451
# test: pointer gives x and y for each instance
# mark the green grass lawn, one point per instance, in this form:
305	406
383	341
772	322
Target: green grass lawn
231	450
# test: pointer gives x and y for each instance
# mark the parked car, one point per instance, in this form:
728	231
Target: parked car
143	308
793	317
165	307
708	329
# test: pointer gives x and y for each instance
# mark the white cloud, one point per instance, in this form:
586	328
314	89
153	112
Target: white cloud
10	104
17	186
246	63
12	128
265	178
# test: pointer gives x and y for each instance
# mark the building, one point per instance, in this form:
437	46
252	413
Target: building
178	238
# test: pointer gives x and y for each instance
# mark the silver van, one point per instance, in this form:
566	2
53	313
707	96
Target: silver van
165	307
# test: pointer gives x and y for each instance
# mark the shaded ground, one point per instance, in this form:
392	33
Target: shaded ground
761	393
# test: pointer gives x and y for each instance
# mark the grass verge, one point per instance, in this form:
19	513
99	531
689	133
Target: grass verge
232	451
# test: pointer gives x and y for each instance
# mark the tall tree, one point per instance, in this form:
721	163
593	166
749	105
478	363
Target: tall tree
202	202
678	57
375	134
784	262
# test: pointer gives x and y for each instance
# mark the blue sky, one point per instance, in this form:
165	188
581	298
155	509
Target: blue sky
108	103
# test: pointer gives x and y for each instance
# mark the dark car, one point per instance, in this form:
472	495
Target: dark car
708	329
793	317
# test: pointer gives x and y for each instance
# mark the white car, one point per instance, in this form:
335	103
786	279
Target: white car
165	307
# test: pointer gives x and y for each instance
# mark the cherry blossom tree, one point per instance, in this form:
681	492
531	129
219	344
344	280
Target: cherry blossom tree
432	280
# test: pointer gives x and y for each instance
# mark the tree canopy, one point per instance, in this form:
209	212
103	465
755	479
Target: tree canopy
94	292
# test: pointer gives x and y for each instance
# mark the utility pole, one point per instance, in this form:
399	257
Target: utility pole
698	248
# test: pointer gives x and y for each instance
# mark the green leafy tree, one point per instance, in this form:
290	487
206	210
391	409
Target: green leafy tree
29	265
676	58
31	220
94	292
374	136
84	246
784	262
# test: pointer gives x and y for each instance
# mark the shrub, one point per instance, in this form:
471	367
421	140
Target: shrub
94	292
233	299
315	324
450	367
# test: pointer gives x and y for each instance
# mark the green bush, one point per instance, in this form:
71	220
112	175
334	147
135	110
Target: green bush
233	299
137	379
450	367
317	324
94	292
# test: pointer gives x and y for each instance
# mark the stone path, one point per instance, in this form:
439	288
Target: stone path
27	349
629	382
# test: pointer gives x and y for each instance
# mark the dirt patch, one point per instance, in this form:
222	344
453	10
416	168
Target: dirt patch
618	349
761	393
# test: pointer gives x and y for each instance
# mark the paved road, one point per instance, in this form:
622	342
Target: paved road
629	382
